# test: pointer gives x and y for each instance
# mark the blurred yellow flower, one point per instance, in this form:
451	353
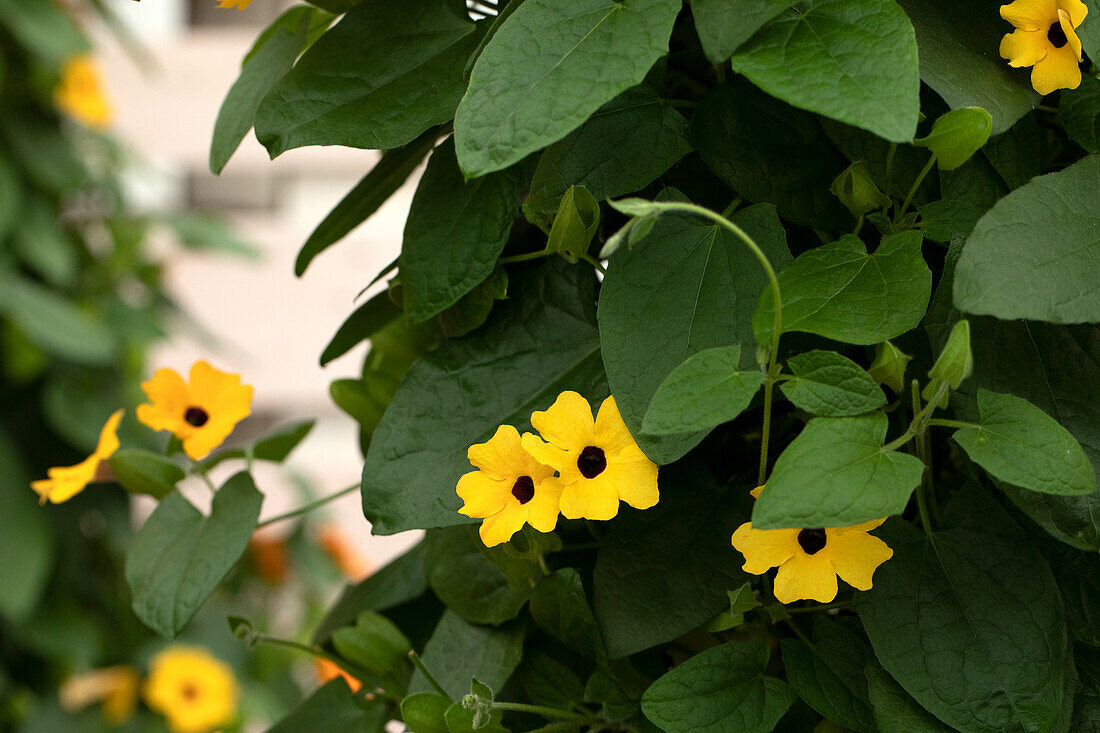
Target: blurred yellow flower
115	687
65	482
1045	39
194	690
238	4
598	461
809	560
80	93
202	412
509	489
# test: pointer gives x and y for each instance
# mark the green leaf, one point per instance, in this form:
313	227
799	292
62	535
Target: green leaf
473	308
374	643
44	29
1021	152
461	720
143	472
41	242
842	293
547	681
548	67
395	584
466	581
57	324
363	323
970	623
836	473
575	224
274	447
333	709
618	700
560	608
1022	445
179	556
663	572
459	651
270	58
709	284
957	135
856	189
47	157
708	389
25	535
375	188
378	79
11	197
826	383
955	362
957	43
454	233
540	342
721	689
723	25
889	365
852	60
623	147
893	708
204	232
1034	254
769	151
828	674
1079	113
424	712
945	220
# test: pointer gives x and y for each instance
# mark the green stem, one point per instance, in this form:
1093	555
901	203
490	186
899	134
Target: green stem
922	506
313	651
427	675
913	189
308	507
798	632
812	609
200	471
859	225
918	419
524	257
732	207
890	168
594	262
941	423
568	724
926	484
553	713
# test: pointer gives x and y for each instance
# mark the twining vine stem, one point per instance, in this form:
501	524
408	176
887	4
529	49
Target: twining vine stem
913	189
419	664
309	507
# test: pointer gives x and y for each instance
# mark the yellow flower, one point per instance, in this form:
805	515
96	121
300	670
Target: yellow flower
115	687
194	690
1045	39
201	413
598	461
509	489
80	93
238	4
809	560
65	482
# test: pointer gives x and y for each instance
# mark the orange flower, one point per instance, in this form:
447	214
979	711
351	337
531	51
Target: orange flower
270	558
328	671
336	544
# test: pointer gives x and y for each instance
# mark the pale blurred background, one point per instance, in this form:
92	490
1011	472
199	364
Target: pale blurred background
265	323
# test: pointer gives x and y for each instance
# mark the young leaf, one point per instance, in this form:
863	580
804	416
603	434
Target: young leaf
454	233
1035	254
708	389
374	643
560	608
548	68
828	674
721	689
333	708
367	320
857	190
576	223
459	651
955	362
957	135
424	712
723	25
379	94
179	556
840	292
852	60
461	720
1020	444
889	365
828	384
836	473
143	472
466	581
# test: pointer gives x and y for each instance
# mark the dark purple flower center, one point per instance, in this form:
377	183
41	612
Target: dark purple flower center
1056	35
195	416
592	462
523	489
812	540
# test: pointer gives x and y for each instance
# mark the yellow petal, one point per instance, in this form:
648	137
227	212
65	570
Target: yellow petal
855	556
1072	39
544	506
1057	70
220	393
756	492
634	477
550	455
200	441
1024	48
500	527
764	549
502	456
108	436
805	578
590	499
169	396
1031	15
862	527
1076	9
482	495
611	432
568	422
65	482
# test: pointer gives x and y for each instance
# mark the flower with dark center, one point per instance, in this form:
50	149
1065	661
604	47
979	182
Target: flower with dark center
523	489
196	416
812	540
195	691
1046	40
591	462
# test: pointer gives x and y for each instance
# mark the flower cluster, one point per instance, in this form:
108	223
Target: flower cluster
1046	40
580	468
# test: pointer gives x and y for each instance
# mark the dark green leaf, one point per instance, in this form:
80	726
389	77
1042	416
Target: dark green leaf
25	535
560	608
374	644
723	25
549	682
57	324
473	309
44	29
826	383
548	67
424	712
957	135
721	689
616	702
1004	272
828	674
1022	152
47	157
461	720
143	472
459	651
367	320
179	556
836	473
943	221
333	709
709	283
41	242
11	196
708	389
852	60
379	93
466	581
893	708
1079	113
840	292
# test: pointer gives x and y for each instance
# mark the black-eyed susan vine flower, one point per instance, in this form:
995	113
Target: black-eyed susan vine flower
809	560
238	4
598	462
80	93
194	690
1046	40
201	412
115	687
509	488
65	482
